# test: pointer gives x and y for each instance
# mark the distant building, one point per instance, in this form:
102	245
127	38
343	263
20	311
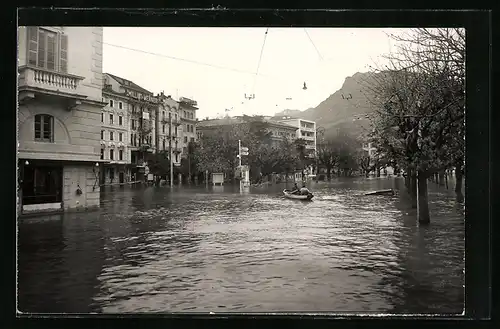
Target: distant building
305	129
138	109
60	102
277	130
187	111
170	130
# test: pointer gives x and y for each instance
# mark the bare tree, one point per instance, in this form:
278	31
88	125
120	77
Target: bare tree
420	98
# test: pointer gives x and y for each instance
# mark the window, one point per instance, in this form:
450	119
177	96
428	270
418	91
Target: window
44	126
192	139
120	155
102	134
185	139
131	139
111	102
102	117
163	114
111	135
163	128
111	119
163	144
185	114
120	120
111	154
120	105
47	49
120	137
133	124
102	154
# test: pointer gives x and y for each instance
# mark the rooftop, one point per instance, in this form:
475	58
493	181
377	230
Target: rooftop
129	84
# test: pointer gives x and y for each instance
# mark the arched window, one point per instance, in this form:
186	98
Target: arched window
44	128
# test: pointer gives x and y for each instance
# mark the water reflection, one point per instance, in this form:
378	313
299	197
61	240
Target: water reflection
219	248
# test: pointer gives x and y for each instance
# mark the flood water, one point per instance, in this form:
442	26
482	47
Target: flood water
218	249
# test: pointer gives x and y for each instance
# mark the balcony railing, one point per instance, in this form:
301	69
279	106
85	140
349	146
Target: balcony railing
49	80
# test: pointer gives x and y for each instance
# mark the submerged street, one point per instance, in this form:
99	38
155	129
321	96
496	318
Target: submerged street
202	249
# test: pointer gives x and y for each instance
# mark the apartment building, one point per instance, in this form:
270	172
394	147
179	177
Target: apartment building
60	102
169	137
114	136
128	131
187	111
306	130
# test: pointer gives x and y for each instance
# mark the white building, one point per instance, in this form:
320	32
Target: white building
138	109
187	112
115	136
169	128
60	101
306	130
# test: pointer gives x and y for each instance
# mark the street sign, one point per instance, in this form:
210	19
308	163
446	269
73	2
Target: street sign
244	153
244	149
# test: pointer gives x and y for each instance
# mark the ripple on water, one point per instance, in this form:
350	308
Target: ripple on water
153	250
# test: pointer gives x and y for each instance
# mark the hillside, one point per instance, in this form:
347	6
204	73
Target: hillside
337	113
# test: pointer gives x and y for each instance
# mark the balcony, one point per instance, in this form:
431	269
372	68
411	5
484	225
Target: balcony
310	129
308	138
32	79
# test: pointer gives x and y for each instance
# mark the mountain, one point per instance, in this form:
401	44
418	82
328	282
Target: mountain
345	110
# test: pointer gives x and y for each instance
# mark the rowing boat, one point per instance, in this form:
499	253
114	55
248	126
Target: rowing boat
297	196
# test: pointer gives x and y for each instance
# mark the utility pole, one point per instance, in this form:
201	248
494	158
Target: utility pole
171	153
239	153
189	162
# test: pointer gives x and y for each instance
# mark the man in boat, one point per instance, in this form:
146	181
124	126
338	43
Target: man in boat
295	189
304	190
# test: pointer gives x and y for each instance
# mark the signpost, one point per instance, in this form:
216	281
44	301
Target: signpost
244	172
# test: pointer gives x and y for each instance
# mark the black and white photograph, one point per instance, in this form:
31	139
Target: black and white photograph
241	169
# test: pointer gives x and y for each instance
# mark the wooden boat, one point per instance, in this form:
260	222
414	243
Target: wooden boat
381	192
297	196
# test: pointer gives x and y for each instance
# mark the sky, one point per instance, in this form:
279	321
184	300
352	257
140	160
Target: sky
218	66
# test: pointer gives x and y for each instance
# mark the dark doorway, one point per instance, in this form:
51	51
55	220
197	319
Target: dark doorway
42	184
121	177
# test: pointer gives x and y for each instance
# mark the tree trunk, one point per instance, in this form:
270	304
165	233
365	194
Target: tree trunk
378	172
328	173
458	183
423	200
446	178
413	189
441	178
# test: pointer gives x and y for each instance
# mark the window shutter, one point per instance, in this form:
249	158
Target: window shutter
38	126
51	51
63	53
41	48
32	45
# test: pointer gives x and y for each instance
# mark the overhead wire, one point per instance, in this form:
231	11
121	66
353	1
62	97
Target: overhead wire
260	60
312	42
180	59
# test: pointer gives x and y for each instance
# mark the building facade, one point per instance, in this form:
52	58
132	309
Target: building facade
60	102
169	128
115	132
137	109
306	130
187	112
